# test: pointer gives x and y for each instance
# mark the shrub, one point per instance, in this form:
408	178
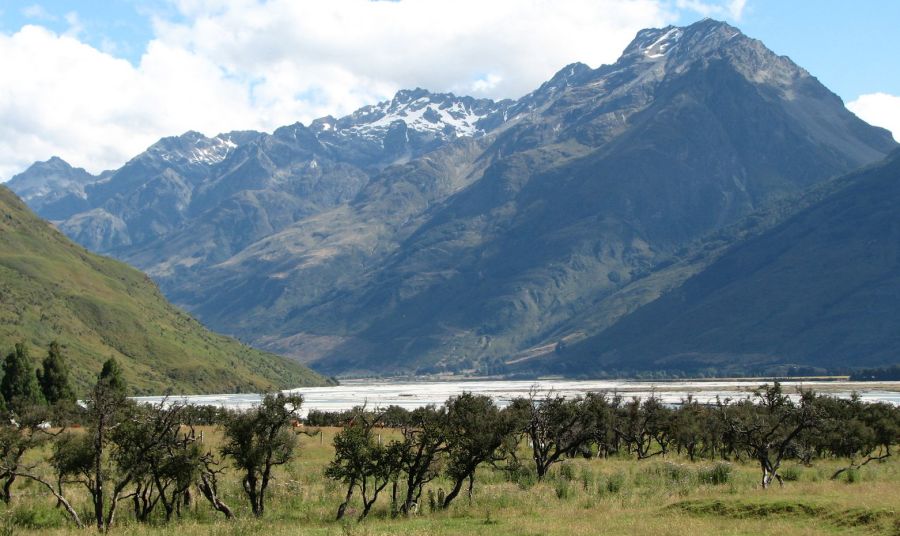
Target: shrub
587	479
563	490
674	472
36	518
716	475
613	484
523	476
791	473
567	472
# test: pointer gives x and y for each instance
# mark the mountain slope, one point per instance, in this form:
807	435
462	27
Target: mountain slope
97	308
441	233
819	290
605	174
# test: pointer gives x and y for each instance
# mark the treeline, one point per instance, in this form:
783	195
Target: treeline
24	385
152	460
470	431
891	373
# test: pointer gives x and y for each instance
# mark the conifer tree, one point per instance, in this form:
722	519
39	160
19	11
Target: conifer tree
112	376
54	378
19	386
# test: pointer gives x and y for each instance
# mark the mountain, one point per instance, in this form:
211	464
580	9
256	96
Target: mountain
819	290
53	183
439	233
595	179
190	199
97	308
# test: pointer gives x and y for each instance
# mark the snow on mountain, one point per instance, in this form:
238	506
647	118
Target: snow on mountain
442	114
194	148
663	43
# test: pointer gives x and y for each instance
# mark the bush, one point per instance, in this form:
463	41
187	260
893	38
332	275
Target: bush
716	475
523	476
791	473
852	476
37	517
567	472
663	473
674	472
613	484
563	490
587	479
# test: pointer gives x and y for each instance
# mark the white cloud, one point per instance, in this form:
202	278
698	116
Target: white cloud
378	47
252	64
486	84
59	96
75	27
879	109
36	11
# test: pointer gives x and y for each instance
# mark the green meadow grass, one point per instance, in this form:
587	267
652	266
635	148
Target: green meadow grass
581	497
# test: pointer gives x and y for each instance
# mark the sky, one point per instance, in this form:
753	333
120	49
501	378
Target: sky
97	81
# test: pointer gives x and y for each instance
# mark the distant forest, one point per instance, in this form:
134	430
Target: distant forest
877	374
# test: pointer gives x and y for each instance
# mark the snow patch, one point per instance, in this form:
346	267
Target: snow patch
440	115
663	44
212	152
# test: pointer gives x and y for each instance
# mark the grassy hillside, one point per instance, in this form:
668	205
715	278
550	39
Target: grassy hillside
97	308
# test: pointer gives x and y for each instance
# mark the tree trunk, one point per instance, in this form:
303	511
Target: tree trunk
97	492
6	495
208	489
114	502
343	507
395	511
367	505
457	486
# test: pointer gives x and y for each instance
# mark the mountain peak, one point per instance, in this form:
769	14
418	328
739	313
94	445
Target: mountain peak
568	75
703	35
52	178
52	164
408	95
192	147
442	114
57	161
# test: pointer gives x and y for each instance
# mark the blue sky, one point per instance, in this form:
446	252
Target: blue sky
97	81
122	27
852	47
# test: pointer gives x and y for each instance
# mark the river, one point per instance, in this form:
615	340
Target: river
411	395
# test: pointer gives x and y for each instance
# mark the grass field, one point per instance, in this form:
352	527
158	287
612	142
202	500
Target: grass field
600	496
